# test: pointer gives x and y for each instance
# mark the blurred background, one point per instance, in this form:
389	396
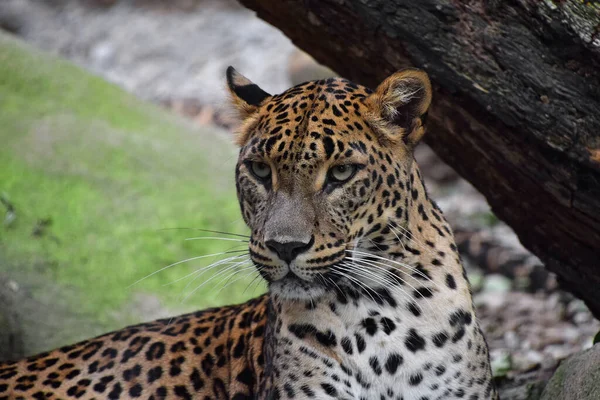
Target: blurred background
115	151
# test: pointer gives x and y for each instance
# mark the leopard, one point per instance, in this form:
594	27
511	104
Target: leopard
367	296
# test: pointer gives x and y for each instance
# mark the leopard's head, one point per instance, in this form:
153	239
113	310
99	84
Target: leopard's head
324	167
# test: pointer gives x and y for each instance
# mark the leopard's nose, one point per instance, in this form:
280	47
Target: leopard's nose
288	251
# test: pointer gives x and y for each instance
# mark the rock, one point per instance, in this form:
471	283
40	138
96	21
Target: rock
527	361
577	378
108	171
12	17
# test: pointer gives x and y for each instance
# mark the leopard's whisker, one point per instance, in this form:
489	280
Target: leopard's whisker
356	270
374	244
366	274
228	260
253	280
411	297
352	269
212	266
335	284
382	264
394	227
207	230
229	282
377	265
258	281
352	279
374	263
382	280
408	236
385	260
216	238
215	276
405	233
184	261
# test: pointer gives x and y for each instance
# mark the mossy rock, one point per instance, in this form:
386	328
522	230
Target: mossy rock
89	178
577	378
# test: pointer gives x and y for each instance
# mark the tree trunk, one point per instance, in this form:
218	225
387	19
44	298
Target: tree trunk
516	106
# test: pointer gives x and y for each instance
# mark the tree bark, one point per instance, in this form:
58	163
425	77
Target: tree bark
516	106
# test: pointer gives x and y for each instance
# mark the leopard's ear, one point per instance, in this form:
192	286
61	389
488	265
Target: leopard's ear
399	105
245	95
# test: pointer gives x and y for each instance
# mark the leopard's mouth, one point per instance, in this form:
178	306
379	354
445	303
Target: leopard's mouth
292	278
305	278
293	287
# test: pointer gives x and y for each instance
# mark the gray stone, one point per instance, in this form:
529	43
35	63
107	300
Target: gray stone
577	378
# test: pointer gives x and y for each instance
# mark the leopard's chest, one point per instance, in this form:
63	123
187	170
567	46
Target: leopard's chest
369	353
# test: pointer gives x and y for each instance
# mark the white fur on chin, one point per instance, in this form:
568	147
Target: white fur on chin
287	289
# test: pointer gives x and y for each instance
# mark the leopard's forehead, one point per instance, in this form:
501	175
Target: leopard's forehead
315	122
340	97
339	88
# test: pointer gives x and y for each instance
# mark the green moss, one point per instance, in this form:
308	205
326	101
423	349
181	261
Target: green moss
94	176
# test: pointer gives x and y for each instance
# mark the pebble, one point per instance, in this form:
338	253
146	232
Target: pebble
12	285
511	339
496	283
501	361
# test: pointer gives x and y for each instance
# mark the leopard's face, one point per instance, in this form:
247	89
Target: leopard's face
319	172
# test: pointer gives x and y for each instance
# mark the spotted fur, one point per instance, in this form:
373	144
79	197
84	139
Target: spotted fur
367	296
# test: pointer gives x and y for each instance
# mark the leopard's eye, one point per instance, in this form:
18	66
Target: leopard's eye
342	173
261	170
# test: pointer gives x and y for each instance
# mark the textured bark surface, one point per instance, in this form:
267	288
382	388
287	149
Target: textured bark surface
516	106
